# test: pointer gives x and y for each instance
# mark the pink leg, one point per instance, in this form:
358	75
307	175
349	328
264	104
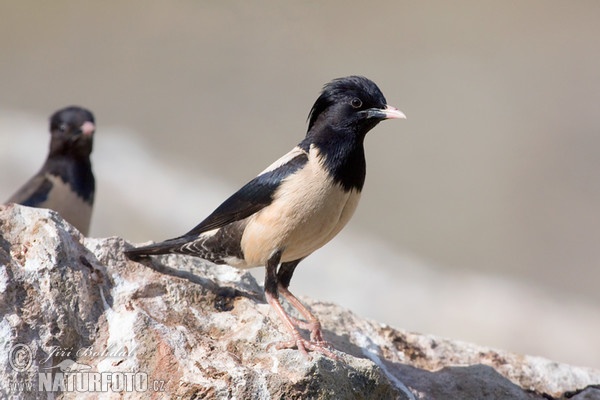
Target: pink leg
312	323
297	340
274	286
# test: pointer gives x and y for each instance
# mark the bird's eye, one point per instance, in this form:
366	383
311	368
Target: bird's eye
356	102
63	127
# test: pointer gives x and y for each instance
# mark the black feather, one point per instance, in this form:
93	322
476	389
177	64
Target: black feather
76	172
33	193
251	198
338	129
338	91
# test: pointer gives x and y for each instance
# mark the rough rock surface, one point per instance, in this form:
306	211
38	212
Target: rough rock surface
77	320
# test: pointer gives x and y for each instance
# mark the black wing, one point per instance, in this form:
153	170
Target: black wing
34	192
252	197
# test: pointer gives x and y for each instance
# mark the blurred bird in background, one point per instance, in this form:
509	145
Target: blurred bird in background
65	183
296	205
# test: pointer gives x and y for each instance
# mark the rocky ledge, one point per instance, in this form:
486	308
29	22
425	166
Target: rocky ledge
78	320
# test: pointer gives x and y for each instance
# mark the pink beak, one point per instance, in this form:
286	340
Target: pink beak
88	128
393	113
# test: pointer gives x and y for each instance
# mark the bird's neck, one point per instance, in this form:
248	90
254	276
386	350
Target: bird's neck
343	156
76	171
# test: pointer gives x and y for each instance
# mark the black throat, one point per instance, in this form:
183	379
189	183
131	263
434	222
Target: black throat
343	156
74	171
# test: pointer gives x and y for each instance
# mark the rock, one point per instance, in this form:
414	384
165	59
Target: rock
80	321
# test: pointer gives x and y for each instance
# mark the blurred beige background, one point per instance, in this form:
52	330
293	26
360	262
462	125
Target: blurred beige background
480	218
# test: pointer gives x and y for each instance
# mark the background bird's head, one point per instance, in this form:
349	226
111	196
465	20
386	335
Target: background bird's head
353	104
72	129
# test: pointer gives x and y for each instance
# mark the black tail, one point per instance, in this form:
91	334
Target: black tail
166	247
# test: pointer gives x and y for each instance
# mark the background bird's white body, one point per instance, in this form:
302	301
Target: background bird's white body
73	208
62	198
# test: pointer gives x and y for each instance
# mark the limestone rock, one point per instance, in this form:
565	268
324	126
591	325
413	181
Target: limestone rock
78	320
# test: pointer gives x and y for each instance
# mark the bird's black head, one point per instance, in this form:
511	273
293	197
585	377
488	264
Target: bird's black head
353	103
345	111
72	129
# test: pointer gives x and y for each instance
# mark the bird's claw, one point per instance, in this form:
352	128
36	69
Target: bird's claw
304	346
314	327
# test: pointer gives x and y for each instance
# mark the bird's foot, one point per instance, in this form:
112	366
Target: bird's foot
304	346
314	327
292	324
